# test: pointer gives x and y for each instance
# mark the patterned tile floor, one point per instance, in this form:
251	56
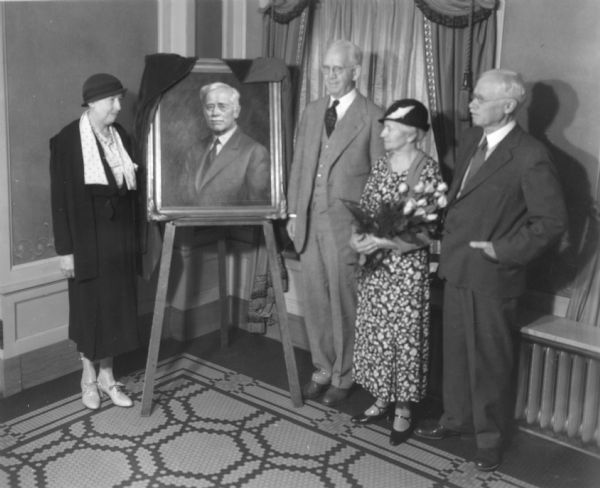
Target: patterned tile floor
214	427
226	422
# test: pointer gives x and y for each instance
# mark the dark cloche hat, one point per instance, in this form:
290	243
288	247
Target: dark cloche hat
99	86
408	112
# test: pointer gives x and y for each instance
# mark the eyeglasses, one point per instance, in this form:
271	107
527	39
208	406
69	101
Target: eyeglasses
334	70
480	100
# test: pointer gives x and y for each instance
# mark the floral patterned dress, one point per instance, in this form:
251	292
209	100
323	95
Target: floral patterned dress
391	350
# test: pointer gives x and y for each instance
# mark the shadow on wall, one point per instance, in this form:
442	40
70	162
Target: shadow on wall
555	270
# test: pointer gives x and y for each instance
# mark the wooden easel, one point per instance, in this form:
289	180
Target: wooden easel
161	297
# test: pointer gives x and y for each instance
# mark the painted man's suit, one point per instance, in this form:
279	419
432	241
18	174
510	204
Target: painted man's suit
515	202
324	171
238	176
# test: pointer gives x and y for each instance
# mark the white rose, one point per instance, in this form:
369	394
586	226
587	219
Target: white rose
409	206
419	187
442	201
431	217
403	188
422	202
429	188
442	187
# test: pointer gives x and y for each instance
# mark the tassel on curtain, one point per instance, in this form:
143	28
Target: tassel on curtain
466	88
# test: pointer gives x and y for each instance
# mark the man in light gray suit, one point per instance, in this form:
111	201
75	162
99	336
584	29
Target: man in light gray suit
337	139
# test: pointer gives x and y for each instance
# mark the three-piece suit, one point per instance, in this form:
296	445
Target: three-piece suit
324	171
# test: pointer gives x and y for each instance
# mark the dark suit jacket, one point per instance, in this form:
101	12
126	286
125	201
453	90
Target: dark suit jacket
72	204
354	143
239	175
515	201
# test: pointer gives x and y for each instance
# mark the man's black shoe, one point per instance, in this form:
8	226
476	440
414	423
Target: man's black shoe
313	390
436	433
487	459
335	395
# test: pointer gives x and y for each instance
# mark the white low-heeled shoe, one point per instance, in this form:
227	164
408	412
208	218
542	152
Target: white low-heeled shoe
115	393
89	395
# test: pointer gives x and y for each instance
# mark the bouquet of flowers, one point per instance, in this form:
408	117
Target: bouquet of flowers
415	213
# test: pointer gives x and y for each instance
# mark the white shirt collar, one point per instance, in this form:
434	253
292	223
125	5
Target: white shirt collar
344	104
494	138
223	138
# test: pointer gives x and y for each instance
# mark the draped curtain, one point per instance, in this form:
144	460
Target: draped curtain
285	30
285	25
452	116
390	34
460	37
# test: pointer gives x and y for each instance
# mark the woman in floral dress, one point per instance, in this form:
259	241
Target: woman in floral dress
392	324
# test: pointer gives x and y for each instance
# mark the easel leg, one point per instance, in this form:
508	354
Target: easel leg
158	318
223	305
286	340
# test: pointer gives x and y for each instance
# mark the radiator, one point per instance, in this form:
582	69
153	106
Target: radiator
558	385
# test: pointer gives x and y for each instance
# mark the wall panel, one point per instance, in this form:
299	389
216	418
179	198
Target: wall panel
51	48
554	44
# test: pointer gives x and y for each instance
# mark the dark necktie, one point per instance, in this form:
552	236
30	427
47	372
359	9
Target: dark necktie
477	160
212	154
331	117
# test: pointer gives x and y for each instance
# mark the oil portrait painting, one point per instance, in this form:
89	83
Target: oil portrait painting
214	149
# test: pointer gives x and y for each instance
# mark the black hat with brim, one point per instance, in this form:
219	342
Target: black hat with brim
409	112
99	86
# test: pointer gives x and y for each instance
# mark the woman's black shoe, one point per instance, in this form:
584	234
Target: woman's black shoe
397	437
364	419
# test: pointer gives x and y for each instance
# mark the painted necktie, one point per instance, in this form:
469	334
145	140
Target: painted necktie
210	158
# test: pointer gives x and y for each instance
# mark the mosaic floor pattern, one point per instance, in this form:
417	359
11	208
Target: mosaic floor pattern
213	427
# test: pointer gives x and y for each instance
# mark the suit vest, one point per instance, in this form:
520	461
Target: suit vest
319	198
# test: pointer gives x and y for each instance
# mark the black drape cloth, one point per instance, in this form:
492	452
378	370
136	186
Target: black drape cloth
161	72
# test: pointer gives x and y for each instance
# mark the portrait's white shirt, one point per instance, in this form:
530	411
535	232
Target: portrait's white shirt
223	138
344	104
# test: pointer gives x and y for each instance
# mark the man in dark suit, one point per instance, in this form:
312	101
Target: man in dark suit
337	139
234	169
506	207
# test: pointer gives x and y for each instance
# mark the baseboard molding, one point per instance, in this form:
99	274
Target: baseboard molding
184	325
561	440
39	366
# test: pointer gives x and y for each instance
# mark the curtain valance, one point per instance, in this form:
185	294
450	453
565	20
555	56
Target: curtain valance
455	13
283	11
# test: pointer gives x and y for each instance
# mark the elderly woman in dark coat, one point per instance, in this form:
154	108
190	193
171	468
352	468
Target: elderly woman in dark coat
93	188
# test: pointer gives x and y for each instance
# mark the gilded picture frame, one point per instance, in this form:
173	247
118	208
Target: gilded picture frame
178	145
